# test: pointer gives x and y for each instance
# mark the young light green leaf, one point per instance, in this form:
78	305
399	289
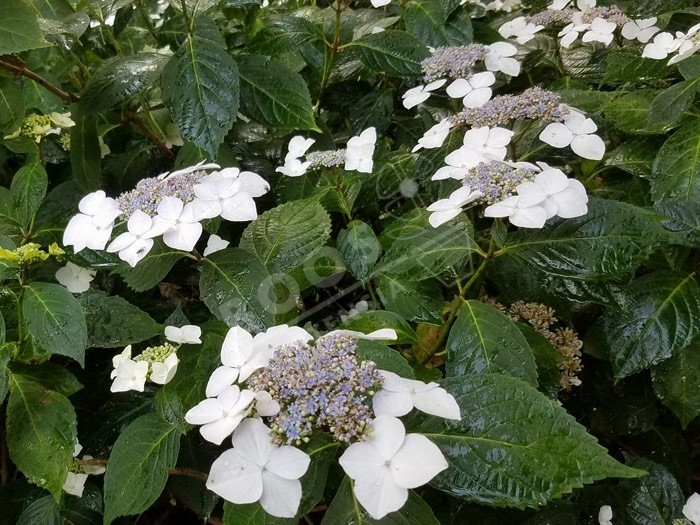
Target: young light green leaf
663	318
274	95
514	446
200	87
359	247
55	320
138	466
229	285
41	433
395	53
19	30
485	341
28	189
114	322
120	79
287	235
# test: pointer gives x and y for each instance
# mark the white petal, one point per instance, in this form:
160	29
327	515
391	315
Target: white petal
569	204
387	436
170	208
215	244
505	208
397	404
438	218
217	431
253	184
206	411
552	181
588	146
235	478
288	462
183	236
417	462
477	98
437	402
265	405
691	509
530	194
280	497
92	203
237	347
482	80
557	135
499	137
139	223
459	88
532	217
359	459
252	439
239	208
222	378
509	66
378	493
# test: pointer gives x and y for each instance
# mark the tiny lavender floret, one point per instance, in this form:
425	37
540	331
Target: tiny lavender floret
452	62
320	386
497	181
148	193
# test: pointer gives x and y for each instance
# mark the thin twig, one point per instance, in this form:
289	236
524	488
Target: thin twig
151	136
187	472
21	71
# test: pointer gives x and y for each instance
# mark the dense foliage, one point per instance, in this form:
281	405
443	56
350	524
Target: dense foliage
296	222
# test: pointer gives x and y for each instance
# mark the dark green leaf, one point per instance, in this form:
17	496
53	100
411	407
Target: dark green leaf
514	446
151	269
113	321
663	318
138	466
41	433
55	320
367	322
683	219
200	87
677	166
655	499
676	383
360	248
635	157
85	154
19	30
42	510
384	357
420	301
485	341
274	95
670	104
50	375
120	79
631	113
229	286
372	110
11	105
392	52
286	236
28	189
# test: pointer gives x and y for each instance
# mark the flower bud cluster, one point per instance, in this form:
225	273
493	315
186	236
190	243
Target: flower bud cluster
37	126
497	181
326	159
319	386
26	254
156	354
148	193
554	17
452	62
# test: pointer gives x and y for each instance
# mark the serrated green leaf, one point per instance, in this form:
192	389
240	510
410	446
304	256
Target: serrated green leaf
287	235
670	104
345	509
138	466
663	317
485	341
50	375
676	383
201	88
635	157
28	189
514	446
683	219
229	287
41	433
612	239
151	269
85	154
114	322
373	110
427	21
427	252
251	514
11	105
384	357
419	301
367	322
626	65
42	510
19	30
631	113
392	52
676	170
120	79
655	499
55	320
359	248
274	95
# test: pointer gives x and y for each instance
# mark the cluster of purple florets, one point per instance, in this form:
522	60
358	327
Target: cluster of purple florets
532	104
552	17
319	386
497	180
149	192
452	62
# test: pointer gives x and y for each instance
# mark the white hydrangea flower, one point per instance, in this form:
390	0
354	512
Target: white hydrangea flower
229	194
399	396
133	245
519	212
162	373
359	151
92	227
128	374
578	132
293	168
445	210
221	415
179	223
257	470
641	30
474	91
663	45
689	45
600	31
298	146
605	515
499	58
380	3
521	29
571	32
215	244
185	335
388	463
383	334
420	94
691	509
75	278
434	137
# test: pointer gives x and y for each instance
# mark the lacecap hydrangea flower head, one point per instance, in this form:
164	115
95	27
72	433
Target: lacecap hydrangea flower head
277	389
